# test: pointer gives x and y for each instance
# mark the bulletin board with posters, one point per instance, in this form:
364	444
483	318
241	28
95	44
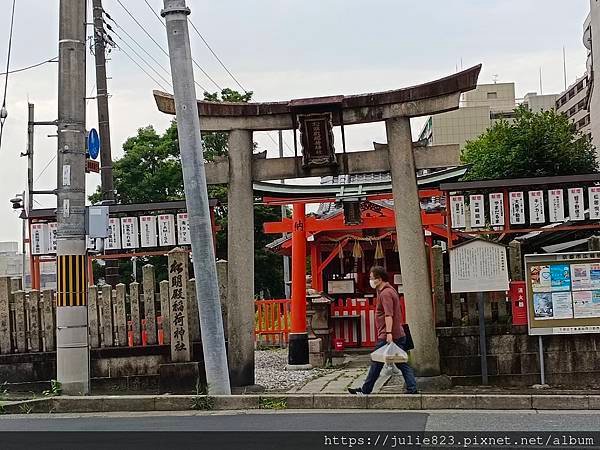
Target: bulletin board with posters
563	293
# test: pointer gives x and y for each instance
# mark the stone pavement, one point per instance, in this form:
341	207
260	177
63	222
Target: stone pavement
338	381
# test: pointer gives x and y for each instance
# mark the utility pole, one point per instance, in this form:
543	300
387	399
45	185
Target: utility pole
72	354
175	13
30	127
286	259
106	175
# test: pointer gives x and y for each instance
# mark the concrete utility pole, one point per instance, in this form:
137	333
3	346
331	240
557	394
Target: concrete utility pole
106	175
72	354
175	13
286	259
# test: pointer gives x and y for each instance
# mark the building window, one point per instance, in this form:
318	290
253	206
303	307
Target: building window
492	95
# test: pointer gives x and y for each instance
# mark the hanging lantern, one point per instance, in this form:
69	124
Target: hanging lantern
357	252
352	214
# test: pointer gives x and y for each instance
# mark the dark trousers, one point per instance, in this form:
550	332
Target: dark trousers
375	370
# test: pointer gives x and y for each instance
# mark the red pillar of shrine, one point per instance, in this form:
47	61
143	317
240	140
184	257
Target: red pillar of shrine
298	339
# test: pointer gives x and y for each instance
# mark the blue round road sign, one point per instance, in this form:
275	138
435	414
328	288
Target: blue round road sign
93	143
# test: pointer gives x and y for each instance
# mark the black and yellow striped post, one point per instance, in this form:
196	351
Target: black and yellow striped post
71	273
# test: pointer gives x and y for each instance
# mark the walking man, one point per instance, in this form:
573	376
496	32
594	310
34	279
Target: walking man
388	321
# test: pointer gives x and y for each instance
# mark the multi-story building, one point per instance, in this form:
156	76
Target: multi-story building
478	108
574	104
591	41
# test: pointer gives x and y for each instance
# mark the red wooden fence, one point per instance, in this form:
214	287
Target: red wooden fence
272	321
346	329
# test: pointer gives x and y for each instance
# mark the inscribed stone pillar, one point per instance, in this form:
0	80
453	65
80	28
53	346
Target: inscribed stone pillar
93	316
107	316
411	245
515	261
222	276
240	254
178	292
165	311
437	261
193	314
134	303
33	308
149	282
120	321
5	331
49	320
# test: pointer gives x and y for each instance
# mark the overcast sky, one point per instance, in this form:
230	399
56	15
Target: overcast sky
283	49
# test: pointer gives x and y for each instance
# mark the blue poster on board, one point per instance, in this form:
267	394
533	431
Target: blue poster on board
560	276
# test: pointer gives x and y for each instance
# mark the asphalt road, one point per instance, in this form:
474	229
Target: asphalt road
177	424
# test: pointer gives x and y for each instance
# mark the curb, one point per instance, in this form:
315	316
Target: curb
137	403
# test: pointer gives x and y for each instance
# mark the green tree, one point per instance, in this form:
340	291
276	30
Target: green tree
532	145
150	171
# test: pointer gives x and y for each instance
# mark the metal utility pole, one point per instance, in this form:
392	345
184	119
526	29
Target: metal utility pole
30	127
72	354
106	175
175	13
286	259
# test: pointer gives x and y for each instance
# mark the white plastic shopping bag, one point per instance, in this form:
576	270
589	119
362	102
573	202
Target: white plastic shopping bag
390	369
390	353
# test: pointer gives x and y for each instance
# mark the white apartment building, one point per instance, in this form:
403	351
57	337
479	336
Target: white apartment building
574	103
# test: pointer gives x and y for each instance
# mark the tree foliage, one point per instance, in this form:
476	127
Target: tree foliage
150	171
532	145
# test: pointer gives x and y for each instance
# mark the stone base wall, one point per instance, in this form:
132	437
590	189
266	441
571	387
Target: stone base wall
129	368
513	357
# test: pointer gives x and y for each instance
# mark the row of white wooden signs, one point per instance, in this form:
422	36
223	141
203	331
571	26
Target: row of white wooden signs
124	233
537	209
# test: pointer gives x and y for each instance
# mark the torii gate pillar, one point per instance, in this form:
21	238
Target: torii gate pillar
411	247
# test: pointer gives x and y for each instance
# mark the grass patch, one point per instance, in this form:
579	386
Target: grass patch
272	403
55	389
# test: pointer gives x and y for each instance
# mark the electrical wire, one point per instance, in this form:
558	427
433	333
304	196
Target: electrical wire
3	114
163	50
217	57
146	62
33	66
142	69
45	167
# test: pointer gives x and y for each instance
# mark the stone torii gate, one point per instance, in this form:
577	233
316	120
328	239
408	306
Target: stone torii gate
401	157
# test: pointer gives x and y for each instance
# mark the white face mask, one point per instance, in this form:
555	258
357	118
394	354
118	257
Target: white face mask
373	284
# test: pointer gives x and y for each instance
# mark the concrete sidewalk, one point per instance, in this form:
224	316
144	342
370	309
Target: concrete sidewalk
338	382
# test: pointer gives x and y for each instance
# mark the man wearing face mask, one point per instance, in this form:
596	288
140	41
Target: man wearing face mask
388	321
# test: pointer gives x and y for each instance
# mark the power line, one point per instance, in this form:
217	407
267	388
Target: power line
162	48
33	66
3	113
216	56
46	167
142	69
146	62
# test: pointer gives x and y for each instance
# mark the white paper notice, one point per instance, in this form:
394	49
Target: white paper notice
583	305
183	229
39	235
562	305
497	209
594	197
517	208
113	241
52	235
576	208
457	205
478	266
166	230
536	207
148	231
66	178
477	211
556	205
581	277
129	232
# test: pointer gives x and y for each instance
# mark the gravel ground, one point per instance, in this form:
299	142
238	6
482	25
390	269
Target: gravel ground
271	373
